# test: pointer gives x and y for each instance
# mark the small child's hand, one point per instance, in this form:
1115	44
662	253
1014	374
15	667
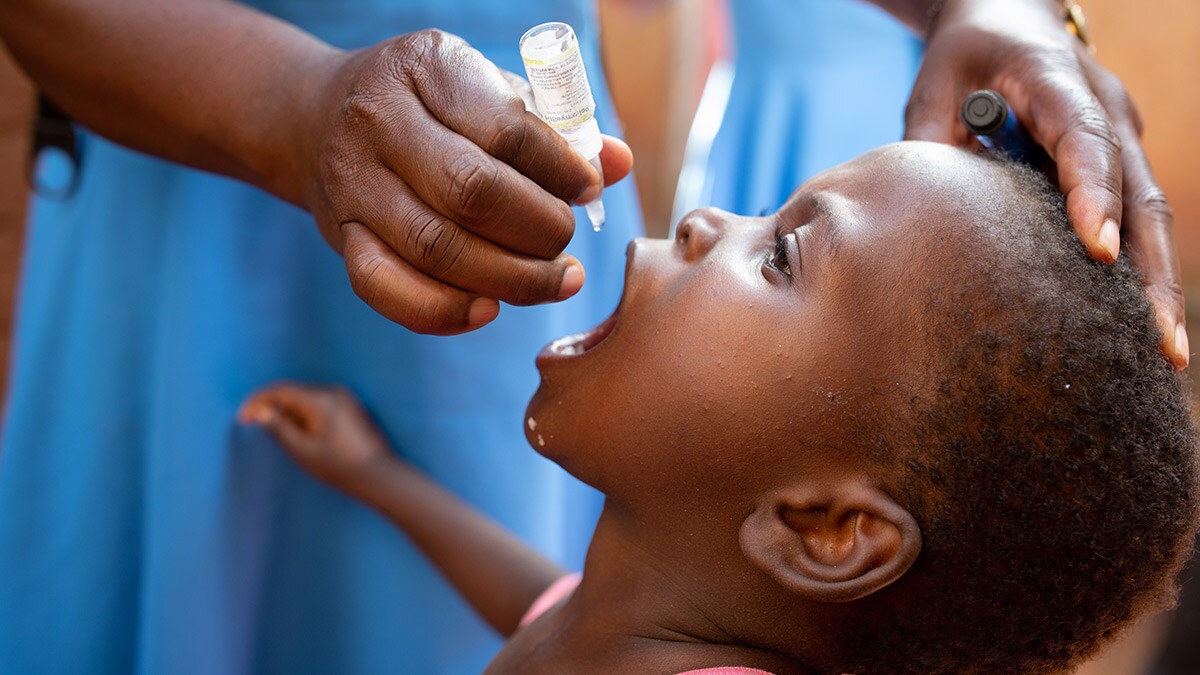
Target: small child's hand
325	429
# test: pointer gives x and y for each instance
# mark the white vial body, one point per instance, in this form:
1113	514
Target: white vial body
554	66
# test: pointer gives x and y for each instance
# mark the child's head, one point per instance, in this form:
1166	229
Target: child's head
905	424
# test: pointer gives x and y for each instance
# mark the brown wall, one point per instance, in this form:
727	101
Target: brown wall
16	108
1154	47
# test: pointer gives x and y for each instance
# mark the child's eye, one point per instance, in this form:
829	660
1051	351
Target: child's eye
779	260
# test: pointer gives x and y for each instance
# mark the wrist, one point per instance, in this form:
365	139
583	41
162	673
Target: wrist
384	481
282	145
942	12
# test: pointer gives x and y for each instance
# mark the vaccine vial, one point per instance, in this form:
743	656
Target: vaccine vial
563	97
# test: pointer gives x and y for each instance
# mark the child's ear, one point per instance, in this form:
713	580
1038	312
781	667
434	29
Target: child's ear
831	543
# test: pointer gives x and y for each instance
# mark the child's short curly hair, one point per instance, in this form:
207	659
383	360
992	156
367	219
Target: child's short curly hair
1051	465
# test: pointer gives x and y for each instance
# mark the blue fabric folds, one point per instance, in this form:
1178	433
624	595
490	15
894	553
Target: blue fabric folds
142	530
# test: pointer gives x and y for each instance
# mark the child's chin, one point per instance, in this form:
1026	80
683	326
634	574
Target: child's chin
535	428
543	426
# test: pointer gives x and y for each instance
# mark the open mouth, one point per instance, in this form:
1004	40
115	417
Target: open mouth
579	344
575	346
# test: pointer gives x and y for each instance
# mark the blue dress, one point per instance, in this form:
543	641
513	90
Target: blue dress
142	530
814	84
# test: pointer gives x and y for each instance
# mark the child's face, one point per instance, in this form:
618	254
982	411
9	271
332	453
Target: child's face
745	350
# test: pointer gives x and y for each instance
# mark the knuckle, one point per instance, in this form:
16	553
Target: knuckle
1054	60
434	314
435	245
507	136
416	46
1094	122
472	188
362	108
426	57
560	233
1151	200
409	57
364	268
342	169
536	285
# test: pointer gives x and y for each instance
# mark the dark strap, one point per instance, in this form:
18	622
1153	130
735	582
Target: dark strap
52	128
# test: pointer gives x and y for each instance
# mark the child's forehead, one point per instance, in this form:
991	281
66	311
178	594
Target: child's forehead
912	190
927	168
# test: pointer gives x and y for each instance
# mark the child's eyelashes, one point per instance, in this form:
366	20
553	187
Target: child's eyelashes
779	260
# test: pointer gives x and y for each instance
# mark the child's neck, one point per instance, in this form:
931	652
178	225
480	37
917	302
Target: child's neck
630	614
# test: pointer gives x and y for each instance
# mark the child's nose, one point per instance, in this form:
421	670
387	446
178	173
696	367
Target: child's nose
698	232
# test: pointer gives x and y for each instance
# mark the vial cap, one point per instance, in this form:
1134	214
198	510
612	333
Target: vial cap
984	112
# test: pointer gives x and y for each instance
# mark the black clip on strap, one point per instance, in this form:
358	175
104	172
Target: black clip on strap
53	129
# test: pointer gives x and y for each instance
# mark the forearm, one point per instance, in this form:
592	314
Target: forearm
497	573
916	14
207	83
912	13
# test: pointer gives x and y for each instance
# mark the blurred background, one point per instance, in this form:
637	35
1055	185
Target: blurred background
663	60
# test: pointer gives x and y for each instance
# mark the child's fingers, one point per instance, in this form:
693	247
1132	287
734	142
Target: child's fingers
294	438
301	403
287	411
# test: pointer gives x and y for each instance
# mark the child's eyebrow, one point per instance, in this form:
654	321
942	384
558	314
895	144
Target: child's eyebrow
822	204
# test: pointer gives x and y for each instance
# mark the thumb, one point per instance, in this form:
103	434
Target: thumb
932	113
616	159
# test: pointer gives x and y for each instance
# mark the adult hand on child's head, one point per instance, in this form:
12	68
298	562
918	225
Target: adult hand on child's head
443	194
1077	110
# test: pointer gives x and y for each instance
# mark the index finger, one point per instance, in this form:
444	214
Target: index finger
1066	118
471	96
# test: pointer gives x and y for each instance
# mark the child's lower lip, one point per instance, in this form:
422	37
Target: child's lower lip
575	346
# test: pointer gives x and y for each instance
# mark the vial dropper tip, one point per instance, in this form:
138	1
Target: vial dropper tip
595	213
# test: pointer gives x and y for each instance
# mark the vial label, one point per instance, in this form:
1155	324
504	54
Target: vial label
560	89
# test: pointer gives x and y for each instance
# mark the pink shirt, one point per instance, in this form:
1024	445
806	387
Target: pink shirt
564	586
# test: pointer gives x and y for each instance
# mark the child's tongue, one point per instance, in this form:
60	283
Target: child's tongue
579	343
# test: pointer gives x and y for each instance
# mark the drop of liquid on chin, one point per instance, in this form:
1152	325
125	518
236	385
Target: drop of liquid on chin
541	441
532	424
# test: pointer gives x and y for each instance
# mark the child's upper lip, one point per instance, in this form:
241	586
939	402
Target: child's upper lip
579	344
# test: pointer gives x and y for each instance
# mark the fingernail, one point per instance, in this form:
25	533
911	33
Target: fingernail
1110	239
572	281
482	310
1182	349
589	194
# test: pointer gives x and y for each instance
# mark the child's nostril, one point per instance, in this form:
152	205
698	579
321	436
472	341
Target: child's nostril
684	235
